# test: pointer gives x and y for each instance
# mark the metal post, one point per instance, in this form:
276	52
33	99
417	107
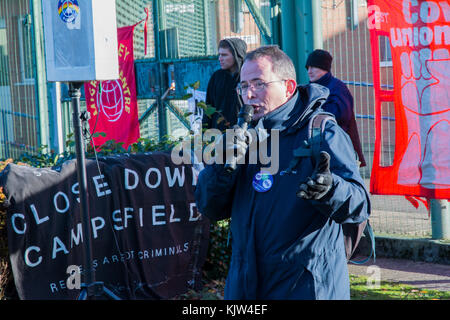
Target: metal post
159	22
289	31
57	111
41	86
75	94
317	24
56	135
206	26
275	22
259	20
297	34
440	219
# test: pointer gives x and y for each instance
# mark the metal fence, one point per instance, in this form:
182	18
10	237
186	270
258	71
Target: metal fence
18	116
186	30
346	36
191	30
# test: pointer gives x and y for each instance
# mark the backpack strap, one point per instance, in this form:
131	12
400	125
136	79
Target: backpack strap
311	146
368	232
316	127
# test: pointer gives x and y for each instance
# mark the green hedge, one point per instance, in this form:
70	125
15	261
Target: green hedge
7	287
219	251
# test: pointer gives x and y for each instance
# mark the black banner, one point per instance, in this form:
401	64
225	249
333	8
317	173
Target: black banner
148	240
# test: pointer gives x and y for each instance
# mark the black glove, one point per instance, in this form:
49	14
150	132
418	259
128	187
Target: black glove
320	183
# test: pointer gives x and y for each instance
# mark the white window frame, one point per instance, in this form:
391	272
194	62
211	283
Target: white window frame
386	62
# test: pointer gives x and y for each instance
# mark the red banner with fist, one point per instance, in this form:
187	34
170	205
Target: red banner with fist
419	41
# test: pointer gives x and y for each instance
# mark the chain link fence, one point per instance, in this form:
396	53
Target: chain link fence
346	37
191	30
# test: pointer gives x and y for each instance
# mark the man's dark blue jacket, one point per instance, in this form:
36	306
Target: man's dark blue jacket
285	247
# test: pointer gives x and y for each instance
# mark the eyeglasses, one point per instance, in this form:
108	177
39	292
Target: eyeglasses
257	85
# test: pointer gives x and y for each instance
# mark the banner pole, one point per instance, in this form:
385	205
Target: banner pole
75	94
90	288
440	219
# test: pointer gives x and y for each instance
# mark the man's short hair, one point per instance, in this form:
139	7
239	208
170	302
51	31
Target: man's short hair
224	44
282	65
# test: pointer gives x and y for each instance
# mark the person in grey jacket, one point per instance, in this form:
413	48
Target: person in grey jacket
286	226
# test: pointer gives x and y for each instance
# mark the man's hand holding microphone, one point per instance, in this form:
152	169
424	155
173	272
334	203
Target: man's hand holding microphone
241	139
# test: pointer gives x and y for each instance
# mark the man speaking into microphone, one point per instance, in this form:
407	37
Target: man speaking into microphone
240	142
287	240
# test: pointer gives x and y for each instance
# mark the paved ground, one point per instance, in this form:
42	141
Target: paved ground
417	274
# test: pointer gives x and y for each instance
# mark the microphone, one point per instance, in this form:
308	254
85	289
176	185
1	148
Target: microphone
245	116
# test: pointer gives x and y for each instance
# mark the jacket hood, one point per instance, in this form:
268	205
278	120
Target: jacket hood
238	49
310	100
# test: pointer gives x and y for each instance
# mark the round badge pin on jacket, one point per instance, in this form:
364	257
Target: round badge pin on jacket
262	181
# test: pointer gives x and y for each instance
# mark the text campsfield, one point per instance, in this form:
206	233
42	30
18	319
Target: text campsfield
191	151
156	215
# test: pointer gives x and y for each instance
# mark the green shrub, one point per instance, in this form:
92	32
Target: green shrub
219	251
7	287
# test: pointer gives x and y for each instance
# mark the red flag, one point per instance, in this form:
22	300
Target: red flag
113	103
419	39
